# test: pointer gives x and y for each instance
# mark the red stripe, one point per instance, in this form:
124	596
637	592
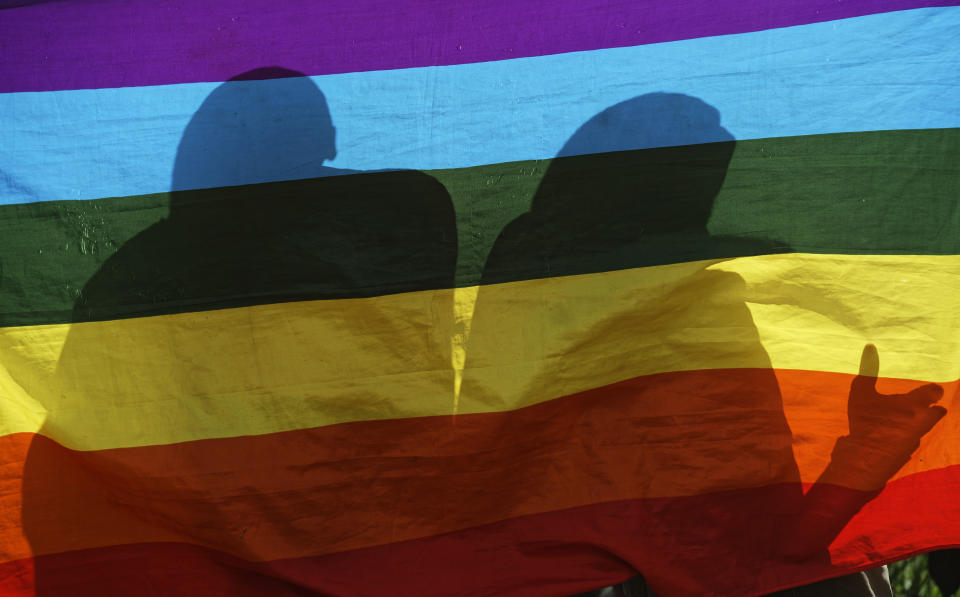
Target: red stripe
356	485
704	545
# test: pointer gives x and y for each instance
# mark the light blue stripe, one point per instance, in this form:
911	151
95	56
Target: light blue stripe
890	71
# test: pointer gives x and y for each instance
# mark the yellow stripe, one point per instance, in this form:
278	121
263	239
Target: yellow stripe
298	365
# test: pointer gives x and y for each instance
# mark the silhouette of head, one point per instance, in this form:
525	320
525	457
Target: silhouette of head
651	120
249	131
653	163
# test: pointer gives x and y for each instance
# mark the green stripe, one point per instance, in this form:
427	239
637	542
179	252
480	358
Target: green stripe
888	192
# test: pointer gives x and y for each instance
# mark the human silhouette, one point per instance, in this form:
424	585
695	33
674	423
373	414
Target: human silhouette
310	233
635	187
255	218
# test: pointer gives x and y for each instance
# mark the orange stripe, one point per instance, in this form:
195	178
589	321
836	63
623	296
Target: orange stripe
354	485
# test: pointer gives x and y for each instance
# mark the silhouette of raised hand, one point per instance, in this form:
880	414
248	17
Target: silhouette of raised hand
885	430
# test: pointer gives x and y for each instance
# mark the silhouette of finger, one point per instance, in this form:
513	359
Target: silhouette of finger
870	361
918	405
866	379
933	414
925	395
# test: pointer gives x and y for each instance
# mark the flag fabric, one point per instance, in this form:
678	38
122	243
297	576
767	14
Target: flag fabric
499	298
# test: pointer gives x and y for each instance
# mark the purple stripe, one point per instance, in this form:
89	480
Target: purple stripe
78	44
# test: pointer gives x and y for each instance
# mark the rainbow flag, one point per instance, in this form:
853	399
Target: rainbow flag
365	297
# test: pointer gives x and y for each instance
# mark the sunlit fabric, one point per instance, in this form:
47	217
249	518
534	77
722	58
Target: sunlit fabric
499	298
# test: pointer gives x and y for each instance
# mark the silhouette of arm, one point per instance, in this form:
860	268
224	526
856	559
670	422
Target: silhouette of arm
885	430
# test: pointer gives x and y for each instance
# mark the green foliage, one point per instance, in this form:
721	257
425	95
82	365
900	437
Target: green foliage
910	578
